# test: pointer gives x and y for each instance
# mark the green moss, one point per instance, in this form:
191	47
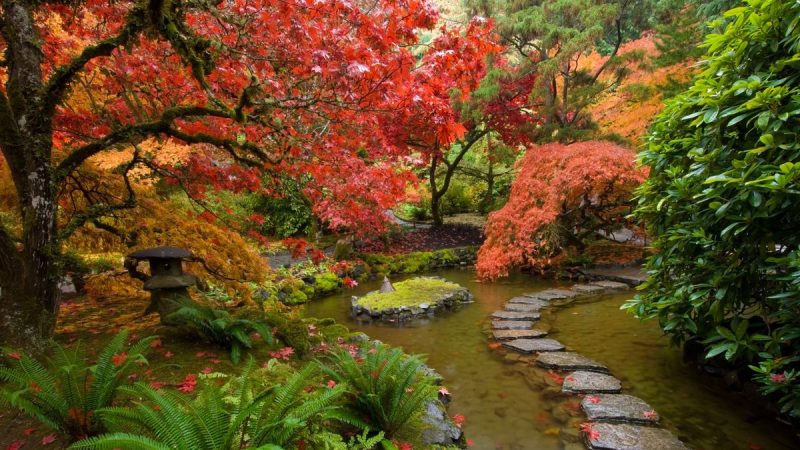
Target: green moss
326	283
296	297
409	293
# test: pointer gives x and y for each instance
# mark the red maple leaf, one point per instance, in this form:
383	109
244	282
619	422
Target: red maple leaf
119	359
188	384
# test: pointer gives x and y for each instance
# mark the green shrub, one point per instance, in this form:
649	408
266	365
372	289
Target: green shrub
387	386
65	392
722	201
221	328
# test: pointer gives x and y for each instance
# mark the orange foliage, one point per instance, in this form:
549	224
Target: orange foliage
157	222
560	191
619	111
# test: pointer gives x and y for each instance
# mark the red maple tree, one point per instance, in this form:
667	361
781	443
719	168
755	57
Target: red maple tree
300	87
563	194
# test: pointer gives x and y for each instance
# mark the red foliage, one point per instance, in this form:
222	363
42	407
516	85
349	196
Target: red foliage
560	190
325	92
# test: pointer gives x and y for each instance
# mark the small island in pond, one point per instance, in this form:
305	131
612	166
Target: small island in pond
410	299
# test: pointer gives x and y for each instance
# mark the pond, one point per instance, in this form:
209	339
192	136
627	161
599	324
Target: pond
505	411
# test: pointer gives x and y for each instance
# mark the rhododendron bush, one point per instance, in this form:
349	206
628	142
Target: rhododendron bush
563	195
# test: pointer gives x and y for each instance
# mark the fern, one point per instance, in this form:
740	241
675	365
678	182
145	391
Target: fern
221	328
387	386
64	393
219	418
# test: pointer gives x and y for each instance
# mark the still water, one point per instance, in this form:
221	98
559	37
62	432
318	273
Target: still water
511	405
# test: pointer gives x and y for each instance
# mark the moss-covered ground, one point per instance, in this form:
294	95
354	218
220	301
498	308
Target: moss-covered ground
409	293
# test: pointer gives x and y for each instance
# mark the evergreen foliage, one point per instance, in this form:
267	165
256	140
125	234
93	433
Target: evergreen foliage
389	388
221	328
65	392
220	418
722	201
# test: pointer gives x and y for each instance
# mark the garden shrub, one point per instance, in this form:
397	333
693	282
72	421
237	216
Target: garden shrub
563	196
722	201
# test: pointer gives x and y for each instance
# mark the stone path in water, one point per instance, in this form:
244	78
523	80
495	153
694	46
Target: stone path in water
615	421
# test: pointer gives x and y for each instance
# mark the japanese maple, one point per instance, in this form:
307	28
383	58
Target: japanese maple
563	194
304	88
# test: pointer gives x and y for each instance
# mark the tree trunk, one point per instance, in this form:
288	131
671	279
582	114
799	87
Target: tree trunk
436	208
30	294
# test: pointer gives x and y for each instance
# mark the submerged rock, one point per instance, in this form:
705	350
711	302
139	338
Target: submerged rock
582	382
568	361
618	408
632	437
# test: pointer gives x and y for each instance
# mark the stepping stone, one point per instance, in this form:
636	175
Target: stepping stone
583	382
534	345
522	307
631	437
618	408
541	303
615	285
512	324
551	294
504	335
569	361
515	315
587	289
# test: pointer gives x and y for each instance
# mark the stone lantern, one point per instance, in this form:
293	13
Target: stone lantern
167	283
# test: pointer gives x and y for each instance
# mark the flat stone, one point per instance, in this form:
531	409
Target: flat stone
607	284
587	289
515	315
530	301
552	294
534	345
512	324
618	408
569	361
632	437
504	335
522	307
584	382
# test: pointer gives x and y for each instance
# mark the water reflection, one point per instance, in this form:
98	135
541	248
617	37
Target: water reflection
511	405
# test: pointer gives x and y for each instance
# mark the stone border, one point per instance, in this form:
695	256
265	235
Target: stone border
617	421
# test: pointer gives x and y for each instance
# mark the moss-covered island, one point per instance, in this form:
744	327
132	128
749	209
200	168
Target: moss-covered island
421	296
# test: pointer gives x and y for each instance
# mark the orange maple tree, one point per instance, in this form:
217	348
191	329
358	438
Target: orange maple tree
563	194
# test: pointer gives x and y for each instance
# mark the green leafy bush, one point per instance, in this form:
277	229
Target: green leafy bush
722	200
220	418
387	386
65	392
221	328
